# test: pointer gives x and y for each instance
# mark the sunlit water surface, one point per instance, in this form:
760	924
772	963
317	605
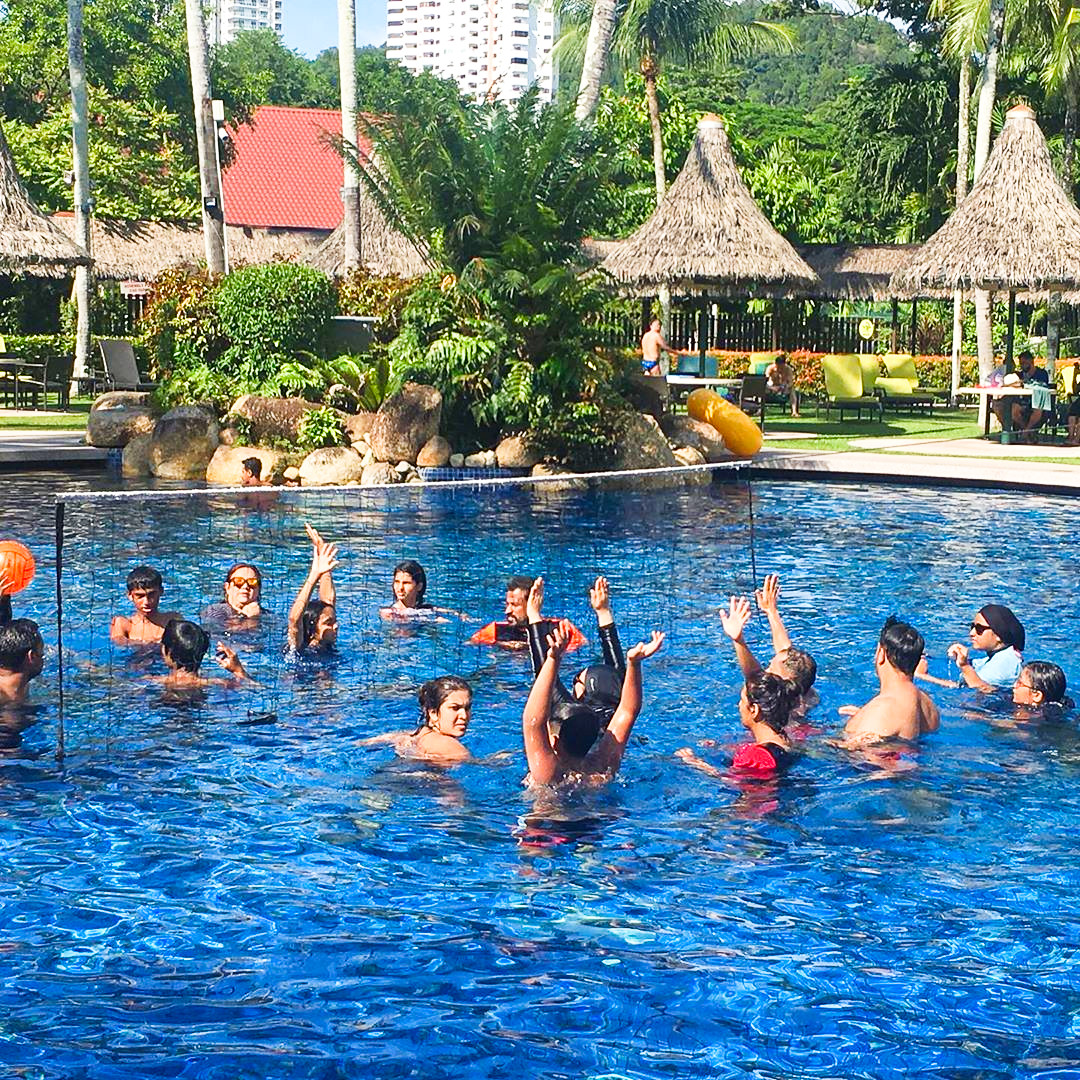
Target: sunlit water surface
239	889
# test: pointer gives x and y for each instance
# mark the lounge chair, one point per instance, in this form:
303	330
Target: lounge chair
900	388
121	371
844	381
752	395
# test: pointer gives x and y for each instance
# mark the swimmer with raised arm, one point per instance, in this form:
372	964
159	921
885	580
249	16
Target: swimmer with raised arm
901	710
788	662
313	623
575	754
598	686
445	711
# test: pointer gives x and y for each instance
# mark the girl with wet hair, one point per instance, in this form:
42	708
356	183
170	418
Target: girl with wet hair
1039	684
313	623
445	711
409	586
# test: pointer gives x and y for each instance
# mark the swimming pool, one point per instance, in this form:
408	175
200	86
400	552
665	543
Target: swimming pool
194	894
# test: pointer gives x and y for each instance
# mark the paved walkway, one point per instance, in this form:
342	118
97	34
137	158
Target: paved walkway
45	449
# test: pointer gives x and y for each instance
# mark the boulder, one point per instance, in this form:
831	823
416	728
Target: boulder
434	454
687	455
271	418
457	461
378	472
405	422
291	475
358	425
229	436
567	482
515	453
330	465
183	442
403	468
136	459
475	461
686	431
117	417
643	446
227	462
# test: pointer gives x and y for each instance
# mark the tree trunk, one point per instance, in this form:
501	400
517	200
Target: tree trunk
1072	111
350	190
963	146
601	27
648	70
80	144
205	133
987	94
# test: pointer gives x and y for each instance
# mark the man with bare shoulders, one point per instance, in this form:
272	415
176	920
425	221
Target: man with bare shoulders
901	710
22	654
146	623
652	344
579	753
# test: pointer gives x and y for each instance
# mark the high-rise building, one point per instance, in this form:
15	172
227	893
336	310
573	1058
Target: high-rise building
227	18
490	48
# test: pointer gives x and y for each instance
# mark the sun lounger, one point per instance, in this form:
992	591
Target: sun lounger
844	381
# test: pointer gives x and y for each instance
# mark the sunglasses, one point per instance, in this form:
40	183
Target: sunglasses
240	582
979	628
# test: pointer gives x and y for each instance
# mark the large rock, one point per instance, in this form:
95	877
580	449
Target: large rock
515	453
117	417
686	431
562	484
405	422
378	472
434	454
182	443
226	464
643	446
687	455
271	418
358	425
136	459
331	465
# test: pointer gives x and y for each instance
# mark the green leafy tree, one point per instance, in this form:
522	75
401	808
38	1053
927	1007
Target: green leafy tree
259	70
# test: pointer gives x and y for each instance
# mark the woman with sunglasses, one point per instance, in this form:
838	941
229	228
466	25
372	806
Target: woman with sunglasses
996	631
240	607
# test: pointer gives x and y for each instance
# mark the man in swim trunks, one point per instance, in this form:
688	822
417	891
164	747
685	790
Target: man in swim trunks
901	710
652	344
22	656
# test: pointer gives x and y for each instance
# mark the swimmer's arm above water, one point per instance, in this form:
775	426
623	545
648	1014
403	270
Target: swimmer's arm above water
613	743
600	600
327	592
543	764
959	653
228	659
923	674
323	563
768	597
734	622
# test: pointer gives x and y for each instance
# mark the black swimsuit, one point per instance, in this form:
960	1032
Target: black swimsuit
613	658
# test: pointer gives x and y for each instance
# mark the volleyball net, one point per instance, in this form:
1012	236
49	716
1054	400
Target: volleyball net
470	537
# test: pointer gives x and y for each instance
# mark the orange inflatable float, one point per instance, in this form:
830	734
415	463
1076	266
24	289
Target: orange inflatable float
740	434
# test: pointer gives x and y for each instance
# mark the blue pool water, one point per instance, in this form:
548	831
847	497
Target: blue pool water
196	893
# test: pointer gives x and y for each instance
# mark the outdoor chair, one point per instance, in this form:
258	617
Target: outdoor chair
690	365
752	397
121	371
760	362
649	394
898	389
902	366
844	387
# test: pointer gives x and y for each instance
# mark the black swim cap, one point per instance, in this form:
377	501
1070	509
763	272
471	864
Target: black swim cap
603	686
1005	624
579	727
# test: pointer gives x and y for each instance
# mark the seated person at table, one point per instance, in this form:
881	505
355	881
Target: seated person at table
901	710
788	662
598	686
780	380
1026	418
146	624
513	633
313	623
1072	419
22	656
569	755
999	633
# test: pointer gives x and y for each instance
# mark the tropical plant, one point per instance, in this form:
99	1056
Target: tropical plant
320	427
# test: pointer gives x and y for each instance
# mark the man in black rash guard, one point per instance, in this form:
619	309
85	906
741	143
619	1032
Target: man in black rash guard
598	687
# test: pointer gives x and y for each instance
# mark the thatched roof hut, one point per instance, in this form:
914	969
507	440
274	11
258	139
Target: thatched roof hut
29	242
708	234
383	250
854	271
140	250
1017	229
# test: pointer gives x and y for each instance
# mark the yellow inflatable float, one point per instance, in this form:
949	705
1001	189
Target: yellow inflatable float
740	434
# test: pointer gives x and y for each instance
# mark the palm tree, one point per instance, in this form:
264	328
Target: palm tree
81	172
597	47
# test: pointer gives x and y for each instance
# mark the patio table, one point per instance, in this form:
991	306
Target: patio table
1041	398
12	365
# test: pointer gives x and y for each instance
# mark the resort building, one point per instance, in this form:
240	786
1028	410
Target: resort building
227	18
490	48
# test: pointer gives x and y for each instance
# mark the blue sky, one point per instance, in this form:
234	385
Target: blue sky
311	25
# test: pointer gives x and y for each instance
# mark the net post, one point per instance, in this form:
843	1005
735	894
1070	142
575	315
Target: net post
60	629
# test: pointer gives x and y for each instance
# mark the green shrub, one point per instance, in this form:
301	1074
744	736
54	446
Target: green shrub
196	384
379	296
269	313
320	427
180	327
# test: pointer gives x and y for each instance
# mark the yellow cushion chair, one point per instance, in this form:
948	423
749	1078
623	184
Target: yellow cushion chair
901	386
844	380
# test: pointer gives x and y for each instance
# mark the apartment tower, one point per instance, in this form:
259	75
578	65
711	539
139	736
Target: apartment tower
227	18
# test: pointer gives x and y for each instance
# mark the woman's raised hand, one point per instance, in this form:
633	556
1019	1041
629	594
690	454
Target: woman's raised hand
600	595
324	559
644	649
734	620
559	639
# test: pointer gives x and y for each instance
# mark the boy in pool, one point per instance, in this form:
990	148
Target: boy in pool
145	589
22	656
788	662
901	710
183	646
570	755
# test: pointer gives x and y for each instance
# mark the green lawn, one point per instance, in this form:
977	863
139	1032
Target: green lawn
831	434
74	419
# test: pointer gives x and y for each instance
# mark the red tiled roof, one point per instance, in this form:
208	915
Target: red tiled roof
283	174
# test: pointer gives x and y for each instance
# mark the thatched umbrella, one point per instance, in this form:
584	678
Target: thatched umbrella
383	249
1017	230
708	235
29	242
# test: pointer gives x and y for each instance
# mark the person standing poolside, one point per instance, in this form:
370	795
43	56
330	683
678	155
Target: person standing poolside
901	710
571	756
241	606
313	624
996	631
445	712
652	345
145	589
780	380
